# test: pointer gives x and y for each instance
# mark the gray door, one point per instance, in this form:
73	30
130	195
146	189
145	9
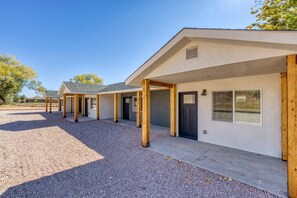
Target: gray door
86	107
126	107
188	119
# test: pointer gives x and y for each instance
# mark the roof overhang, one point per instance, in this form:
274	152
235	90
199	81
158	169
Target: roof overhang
285	40
131	90
63	89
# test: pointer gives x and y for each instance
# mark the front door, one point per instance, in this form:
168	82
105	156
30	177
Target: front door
188	118
79	105
126	105
86	107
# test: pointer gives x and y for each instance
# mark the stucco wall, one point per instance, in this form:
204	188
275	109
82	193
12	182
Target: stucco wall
67	104
160	107
264	139
91	112
106	107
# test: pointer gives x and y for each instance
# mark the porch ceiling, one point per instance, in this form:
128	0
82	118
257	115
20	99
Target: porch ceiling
249	68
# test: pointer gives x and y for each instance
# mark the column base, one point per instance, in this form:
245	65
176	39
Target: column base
146	145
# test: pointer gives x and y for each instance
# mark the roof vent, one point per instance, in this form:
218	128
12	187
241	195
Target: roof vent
192	52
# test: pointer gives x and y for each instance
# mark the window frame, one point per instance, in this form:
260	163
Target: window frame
234	122
212	106
261	108
134	108
91	104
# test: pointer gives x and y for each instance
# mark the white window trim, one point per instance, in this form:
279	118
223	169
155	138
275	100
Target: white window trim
261	108
233	104
212	107
92	106
134	109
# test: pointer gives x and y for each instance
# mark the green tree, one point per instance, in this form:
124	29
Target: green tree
23	98
87	79
275	15
14	76
16	98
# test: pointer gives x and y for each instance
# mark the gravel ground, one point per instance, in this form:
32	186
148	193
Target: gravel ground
114	164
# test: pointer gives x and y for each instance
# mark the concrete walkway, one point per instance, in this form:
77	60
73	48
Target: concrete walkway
260	171
70	117
157	132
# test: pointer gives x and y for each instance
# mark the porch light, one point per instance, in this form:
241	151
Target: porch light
204	92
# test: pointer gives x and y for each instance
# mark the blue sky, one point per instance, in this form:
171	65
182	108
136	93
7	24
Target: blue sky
63	38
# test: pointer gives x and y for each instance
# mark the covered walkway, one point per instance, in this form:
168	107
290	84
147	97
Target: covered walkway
70	117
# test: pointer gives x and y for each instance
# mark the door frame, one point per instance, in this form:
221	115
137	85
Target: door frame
86	107
124	102
179	112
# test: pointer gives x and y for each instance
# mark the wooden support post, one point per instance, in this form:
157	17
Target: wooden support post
71	103
64	105
59	104
83	110
50	105
292	125
115	108
75	107
145	113
138	109
284	116
45	104
173	110
97	107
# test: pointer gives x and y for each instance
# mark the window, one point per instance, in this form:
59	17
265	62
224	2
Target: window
223	106
189	99
93	103
248	106
239	106
134	103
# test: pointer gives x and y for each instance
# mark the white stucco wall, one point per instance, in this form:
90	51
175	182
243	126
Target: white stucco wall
264	139
67	104
91	112
106	107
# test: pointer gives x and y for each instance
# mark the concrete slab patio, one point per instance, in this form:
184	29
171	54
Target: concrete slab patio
157	132
261	171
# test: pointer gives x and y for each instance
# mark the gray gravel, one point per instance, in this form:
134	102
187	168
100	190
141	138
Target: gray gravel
127	170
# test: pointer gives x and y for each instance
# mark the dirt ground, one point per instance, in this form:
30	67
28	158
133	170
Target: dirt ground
28	155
